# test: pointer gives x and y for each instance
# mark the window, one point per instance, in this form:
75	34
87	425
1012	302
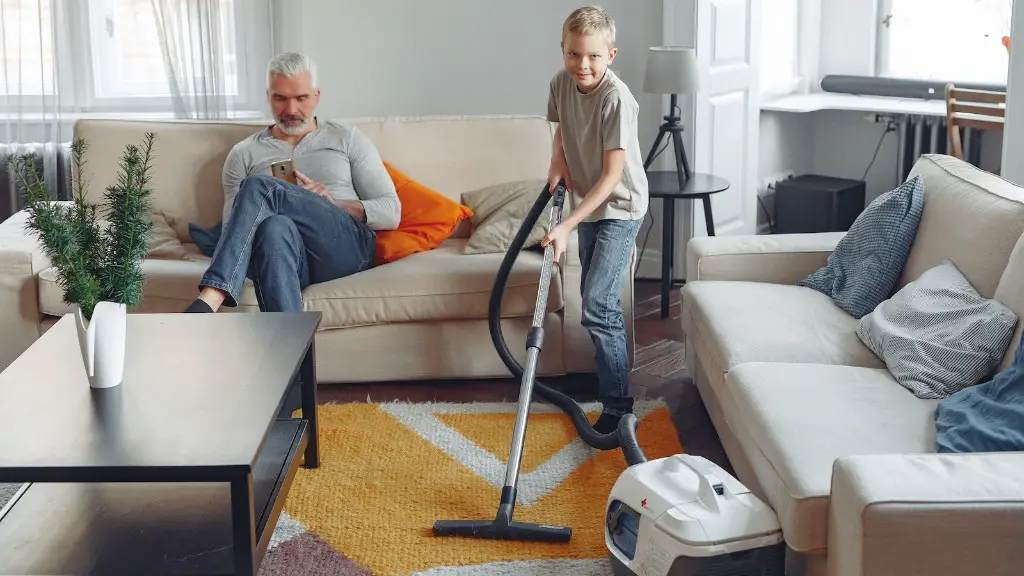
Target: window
113	55
945	40
780	32
128	53
27	48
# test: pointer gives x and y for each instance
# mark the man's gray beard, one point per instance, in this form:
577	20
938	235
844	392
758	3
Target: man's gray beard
293	130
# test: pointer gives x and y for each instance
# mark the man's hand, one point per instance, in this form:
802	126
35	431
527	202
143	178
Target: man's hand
559	235
353	207
312	185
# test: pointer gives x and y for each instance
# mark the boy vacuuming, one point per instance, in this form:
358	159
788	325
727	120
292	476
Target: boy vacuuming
597	153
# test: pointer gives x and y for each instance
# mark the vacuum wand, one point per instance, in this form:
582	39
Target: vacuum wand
534	344
503	527
624	438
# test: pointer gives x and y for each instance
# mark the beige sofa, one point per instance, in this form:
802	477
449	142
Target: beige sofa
422	317
814	423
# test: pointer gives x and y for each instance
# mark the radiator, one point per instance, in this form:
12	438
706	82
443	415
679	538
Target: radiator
920	134
54	168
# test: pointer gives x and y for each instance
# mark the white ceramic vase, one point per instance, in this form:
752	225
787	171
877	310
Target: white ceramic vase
102	340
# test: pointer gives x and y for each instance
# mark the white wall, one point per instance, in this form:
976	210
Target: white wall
415	57
785	148
1013	140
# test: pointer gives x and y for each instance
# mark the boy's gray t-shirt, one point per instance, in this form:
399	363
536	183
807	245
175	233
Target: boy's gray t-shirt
340	157
605	119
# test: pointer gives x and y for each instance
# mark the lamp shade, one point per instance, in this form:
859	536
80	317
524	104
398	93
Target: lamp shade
671	70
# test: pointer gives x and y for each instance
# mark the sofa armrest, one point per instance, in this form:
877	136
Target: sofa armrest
21	261
927	514
775	258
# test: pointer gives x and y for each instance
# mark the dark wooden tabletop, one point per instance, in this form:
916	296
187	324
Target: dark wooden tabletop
200	392
664	183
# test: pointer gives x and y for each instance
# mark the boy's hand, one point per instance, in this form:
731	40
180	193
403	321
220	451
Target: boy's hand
559	235
556	174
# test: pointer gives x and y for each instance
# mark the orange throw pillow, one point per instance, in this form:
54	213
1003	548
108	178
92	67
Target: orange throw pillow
428	219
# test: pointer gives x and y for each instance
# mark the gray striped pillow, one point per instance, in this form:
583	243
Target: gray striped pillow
866	265
938	335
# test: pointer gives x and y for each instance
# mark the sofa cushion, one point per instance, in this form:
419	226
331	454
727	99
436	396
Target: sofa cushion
797	419
737	322
163	240
866	265
428	219
442	283
438	284
168	285
970	216
937	335
499	212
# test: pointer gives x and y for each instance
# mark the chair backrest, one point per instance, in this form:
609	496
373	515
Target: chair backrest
968	108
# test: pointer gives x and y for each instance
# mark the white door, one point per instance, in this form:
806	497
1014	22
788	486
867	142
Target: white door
727	112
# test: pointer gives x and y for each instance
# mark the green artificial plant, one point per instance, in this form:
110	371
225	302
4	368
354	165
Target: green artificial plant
98	258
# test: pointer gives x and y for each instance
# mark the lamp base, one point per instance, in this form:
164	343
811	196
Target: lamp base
672	129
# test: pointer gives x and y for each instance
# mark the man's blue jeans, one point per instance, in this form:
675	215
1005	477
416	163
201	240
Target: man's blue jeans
285	238
605	250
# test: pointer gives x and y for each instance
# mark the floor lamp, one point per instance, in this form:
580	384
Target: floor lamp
672	70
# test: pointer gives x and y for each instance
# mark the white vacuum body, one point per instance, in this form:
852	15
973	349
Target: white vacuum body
685	516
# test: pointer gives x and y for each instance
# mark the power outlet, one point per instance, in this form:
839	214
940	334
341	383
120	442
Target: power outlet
772	179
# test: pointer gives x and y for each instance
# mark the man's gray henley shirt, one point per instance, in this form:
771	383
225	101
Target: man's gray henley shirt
340	157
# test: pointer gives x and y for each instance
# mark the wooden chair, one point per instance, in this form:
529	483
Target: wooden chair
981	109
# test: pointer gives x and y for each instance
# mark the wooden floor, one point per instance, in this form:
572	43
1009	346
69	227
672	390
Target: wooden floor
659	371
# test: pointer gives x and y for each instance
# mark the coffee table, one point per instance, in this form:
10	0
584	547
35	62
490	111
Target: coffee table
182	469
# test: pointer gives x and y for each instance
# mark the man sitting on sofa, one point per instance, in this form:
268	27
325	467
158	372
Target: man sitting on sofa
287	236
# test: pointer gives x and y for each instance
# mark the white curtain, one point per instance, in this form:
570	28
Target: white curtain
31	102
214	52
61	60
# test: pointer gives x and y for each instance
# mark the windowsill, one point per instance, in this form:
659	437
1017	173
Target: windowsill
803	103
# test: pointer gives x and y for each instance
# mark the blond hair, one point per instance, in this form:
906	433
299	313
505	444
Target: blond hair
590	20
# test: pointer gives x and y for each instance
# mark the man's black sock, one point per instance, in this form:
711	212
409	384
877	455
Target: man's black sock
198	306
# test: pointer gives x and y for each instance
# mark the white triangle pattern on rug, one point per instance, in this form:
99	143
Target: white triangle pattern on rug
287	529
584	567
533	485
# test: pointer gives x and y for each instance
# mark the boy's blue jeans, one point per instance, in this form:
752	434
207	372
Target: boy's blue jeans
605	250
284	238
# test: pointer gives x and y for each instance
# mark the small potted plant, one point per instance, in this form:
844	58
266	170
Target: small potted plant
97	250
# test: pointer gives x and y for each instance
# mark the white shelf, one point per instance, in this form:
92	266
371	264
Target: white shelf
803	103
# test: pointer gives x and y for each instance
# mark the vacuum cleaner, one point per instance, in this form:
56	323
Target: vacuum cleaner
676	516
503	527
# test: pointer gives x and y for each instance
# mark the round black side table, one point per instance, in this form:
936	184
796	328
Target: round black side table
665	185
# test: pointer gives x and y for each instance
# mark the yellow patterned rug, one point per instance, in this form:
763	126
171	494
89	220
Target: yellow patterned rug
387	471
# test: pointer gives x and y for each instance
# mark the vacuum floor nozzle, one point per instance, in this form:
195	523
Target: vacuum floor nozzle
497	530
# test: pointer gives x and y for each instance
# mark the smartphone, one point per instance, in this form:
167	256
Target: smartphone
285	170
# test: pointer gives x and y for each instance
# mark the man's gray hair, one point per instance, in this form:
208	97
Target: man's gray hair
291	64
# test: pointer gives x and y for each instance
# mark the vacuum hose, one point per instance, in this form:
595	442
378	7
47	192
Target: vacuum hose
625	435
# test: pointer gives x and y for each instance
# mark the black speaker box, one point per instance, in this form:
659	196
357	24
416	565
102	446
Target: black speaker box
816	203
